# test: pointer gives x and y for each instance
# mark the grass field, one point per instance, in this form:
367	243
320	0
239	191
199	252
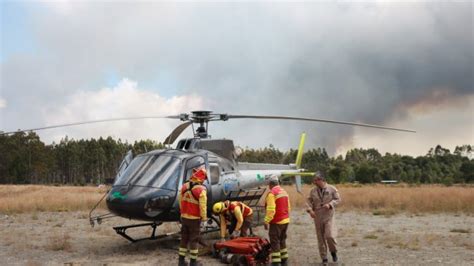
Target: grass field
35	198
377	199
392	199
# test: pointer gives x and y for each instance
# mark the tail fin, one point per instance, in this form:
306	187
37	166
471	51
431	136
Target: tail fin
299	155
299	159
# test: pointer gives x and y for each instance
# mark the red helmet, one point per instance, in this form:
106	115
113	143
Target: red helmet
199	175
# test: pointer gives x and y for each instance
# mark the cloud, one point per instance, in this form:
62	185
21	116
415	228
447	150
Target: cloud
126	99
344	61
436	99
3	103
449	126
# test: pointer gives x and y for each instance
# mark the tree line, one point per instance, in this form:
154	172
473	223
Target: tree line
439	165
25	159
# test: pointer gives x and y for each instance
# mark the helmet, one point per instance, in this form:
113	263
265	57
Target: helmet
273	180
218	207
199	175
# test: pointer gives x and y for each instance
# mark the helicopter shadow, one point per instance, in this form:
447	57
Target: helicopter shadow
170	243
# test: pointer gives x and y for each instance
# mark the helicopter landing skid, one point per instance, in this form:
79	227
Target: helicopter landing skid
121	230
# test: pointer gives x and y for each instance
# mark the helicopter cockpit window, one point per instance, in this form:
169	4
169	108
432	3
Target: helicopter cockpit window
214	174
192	163
161	171
132	169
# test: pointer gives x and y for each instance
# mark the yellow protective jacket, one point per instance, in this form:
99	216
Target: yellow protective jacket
236	210
193	202
277	205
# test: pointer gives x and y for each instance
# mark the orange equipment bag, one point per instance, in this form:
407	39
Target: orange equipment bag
243	251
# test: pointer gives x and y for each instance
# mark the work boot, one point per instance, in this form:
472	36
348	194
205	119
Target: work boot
334	256
276	264
182	261
284	262
325	261
195	263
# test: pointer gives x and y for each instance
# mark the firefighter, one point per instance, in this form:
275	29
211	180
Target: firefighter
193	208
234	210
322	202
277	218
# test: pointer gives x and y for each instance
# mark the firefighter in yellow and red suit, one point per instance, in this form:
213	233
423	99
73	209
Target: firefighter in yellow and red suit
193	207
229	210
277	219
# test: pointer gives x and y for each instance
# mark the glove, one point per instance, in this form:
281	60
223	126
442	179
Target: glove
265	226
236	233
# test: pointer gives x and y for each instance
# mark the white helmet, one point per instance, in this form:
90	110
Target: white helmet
273	179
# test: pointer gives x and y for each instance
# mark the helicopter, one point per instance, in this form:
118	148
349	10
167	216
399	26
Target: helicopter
146	186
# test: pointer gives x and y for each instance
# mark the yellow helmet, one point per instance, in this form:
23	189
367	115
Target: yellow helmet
218	207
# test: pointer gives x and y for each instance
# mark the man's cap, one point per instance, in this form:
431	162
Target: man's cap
319	175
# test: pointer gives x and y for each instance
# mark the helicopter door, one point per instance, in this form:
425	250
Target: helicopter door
214	175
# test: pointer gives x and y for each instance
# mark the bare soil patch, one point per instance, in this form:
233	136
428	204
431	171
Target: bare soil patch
364	238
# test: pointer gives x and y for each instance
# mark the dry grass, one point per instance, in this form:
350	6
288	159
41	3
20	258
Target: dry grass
377	199
411	243
390	200
31	198
370	236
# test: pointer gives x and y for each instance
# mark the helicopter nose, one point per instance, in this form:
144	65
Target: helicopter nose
159	202
139	202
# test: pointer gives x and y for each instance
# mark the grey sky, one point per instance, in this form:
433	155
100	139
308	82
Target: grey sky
372	63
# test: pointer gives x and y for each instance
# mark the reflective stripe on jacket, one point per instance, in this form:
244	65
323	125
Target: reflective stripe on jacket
193	202
244	209
277	206
240	211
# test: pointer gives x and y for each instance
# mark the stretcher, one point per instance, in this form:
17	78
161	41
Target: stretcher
243	251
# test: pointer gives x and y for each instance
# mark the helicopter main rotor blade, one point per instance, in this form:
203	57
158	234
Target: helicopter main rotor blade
176	132
318	120
91	122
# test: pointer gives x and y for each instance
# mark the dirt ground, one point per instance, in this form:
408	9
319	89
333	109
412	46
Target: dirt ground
364	238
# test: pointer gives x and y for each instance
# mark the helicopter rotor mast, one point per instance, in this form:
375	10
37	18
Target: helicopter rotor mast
202	118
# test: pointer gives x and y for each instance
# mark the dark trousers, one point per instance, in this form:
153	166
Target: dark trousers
190	230
277	234
246	225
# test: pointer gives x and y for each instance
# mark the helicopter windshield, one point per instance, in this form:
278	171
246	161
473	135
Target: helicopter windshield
161	171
